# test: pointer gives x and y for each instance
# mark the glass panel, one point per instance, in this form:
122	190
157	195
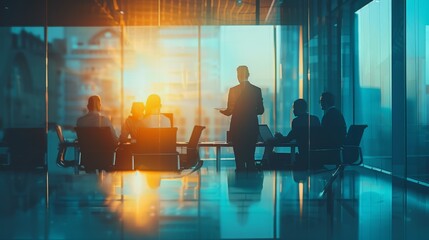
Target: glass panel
417	90
164	61
23	143
91	67
22	97
83	61
193	66
290	74
373	82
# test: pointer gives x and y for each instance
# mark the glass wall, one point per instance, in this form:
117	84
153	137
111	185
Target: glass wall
190	67
373	100
417	39
22	97
290	74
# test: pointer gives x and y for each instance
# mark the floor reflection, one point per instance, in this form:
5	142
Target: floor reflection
208	205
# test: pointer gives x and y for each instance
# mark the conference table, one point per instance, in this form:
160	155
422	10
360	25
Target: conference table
218	145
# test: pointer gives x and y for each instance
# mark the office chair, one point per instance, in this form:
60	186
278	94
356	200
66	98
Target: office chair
192	157
155	150
97	148
351	150
63	144
351	155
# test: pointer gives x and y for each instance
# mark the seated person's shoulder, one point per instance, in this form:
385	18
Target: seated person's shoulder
314	121
82	121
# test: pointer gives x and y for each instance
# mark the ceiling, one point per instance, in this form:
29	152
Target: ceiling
149	12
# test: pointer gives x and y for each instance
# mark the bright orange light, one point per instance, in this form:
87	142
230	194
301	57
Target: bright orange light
137	203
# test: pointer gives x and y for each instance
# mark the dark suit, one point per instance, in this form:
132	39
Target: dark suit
334	127
244	104
299	132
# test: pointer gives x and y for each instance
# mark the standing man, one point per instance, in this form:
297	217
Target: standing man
244	105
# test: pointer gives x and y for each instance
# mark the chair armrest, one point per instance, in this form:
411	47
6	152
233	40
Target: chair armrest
351	146
156	154
325	149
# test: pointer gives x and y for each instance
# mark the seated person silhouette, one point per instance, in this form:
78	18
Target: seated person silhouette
93	160
155	147
153	117
333	123
332	134
129	129
94	118
301	121
133	122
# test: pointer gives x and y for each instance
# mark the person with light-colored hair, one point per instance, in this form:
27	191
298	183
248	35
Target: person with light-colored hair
94	118
133	122
153	117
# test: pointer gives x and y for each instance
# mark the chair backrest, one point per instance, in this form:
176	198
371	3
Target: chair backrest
27	147
97	146
351	151
95	139
192	153
155	140
354	135
195	136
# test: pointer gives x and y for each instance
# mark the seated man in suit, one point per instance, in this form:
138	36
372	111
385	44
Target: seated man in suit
332	133
94	118
301	121
333	123
154	118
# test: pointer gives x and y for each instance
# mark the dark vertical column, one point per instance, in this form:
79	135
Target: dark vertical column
399	120
399	105
354	61
257	11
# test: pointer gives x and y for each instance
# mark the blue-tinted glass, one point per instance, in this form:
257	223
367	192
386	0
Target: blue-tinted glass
417	89
22	97
373	82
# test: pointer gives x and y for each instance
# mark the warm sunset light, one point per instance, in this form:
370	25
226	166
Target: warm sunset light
214	119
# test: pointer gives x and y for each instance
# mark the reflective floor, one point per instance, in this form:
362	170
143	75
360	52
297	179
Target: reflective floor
210	205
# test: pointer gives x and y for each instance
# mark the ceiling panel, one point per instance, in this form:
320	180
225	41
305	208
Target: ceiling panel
140	12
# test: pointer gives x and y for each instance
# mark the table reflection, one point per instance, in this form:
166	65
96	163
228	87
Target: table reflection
145	200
